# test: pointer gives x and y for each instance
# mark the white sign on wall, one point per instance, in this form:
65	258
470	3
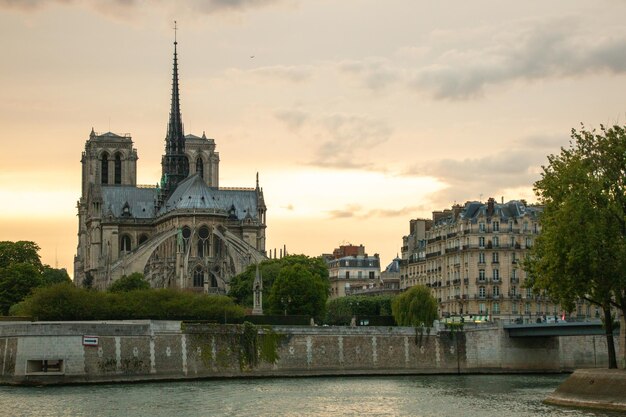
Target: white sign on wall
90	340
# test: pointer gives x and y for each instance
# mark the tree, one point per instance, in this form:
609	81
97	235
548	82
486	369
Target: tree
415	307
241	285
16	282
134	281
20	252
581	252
339	311
51	276
297	290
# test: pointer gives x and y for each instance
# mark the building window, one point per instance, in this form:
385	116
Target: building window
200	167
198	277
514	308
481	292
496	275
496	291
496	308
118	168
525	227
513	290
481	308
372	275
203	236
512	241
529	242
495	257
535	228
104	168
481	257
527	308
360	274
186	234
481	227
496	226
529	292
481	242
510	225
481	274
496	242
514	274
347	274
125	244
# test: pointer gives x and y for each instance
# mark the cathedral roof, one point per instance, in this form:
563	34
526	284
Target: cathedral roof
194	193
138	201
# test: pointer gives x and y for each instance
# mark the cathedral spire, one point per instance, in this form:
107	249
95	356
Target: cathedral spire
175	135
174	164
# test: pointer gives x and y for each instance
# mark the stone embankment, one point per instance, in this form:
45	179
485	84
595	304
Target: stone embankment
92	352
603	389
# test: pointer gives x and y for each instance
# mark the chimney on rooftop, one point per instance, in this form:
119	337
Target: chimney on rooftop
490	206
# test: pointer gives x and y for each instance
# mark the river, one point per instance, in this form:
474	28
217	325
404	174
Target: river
458	396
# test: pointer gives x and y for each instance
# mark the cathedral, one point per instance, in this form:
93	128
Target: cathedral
186	232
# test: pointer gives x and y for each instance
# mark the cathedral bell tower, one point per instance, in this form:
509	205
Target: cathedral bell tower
174	164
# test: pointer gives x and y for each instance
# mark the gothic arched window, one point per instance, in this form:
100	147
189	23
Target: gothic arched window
203	235
198	277
104	168
118	168
125	244
200	167
186	236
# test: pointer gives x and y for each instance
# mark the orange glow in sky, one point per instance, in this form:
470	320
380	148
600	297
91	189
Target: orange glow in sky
358	115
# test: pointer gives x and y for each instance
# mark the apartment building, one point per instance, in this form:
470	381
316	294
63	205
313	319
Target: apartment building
471	255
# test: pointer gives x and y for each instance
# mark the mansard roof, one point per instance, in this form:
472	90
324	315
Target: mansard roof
473	210
140	201
194	193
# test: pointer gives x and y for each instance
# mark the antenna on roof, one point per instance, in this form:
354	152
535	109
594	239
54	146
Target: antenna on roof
175	29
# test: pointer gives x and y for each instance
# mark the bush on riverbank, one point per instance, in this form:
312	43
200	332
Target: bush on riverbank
340	311
66	302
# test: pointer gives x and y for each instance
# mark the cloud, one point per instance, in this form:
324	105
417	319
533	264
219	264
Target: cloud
557	48
375	74
504	172
347	212
286	73
351	138
342	141
293	119
195	6
401	212
217	6
353	210
32	5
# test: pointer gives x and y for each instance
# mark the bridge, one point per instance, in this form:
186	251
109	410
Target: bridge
582	328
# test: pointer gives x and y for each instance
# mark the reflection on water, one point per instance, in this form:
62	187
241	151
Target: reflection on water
458	396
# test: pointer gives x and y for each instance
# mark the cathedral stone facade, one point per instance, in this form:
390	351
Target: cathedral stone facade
186	232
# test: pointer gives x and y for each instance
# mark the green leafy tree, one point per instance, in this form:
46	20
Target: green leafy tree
51	276
339	311
415	307
25	252
581	252
241	285
297	290
134	281
16	282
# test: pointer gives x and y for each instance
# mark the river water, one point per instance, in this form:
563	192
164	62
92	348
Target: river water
458	396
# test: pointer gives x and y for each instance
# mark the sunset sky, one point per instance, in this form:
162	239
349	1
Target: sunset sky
359	115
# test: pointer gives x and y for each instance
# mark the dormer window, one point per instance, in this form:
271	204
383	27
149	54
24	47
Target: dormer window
126	210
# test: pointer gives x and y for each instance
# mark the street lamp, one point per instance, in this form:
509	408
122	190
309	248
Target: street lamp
285	303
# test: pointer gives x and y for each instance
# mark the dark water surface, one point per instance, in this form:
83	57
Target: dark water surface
458	396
